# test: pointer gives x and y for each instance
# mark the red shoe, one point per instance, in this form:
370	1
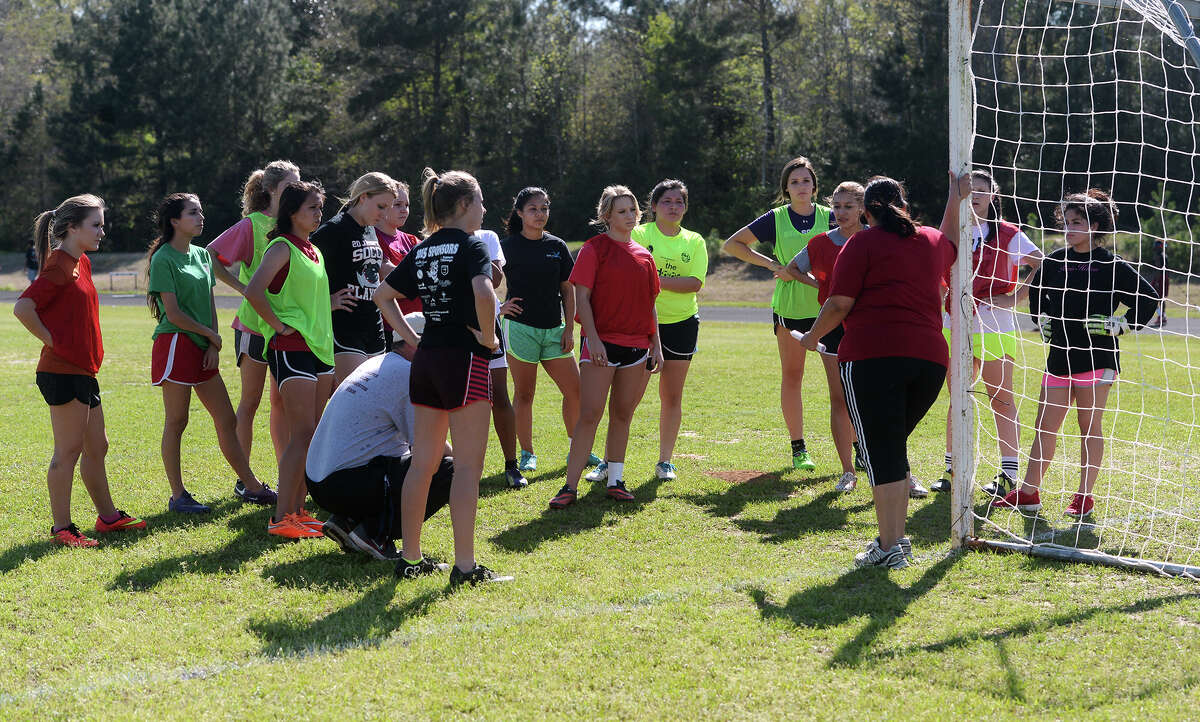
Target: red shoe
309	520
1019	500
290	527
70	536
565	497
1081	506
123	522
618	492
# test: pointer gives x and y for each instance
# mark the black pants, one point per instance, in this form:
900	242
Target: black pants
371	494
887	398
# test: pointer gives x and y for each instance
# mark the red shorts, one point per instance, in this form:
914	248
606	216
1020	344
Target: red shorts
449	378
176	358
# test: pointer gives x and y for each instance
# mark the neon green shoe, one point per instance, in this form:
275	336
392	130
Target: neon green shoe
802	461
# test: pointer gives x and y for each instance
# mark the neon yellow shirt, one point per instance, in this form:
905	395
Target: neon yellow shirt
683	255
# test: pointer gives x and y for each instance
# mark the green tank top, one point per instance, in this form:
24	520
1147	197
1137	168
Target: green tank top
262	225
303	302
793	299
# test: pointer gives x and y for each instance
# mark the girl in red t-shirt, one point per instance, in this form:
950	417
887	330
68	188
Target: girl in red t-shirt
396	244
61	308
616	283
813	265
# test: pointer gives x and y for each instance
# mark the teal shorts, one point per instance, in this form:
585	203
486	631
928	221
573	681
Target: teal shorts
533	345
991	346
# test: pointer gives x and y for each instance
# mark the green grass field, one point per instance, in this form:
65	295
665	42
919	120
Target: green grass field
727	594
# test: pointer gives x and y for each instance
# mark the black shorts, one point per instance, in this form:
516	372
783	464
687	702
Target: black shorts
621	357
499	360
887	398
449	378
286	365
371	494
249	344
803	325
833	339
679	339
359	342
59	389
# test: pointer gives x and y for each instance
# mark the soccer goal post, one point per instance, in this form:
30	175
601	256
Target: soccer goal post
1053	97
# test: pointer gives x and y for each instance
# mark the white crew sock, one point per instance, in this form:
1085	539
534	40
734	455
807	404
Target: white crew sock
614	472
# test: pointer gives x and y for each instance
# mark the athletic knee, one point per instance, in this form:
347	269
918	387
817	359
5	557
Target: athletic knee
96	448
523	397
175	425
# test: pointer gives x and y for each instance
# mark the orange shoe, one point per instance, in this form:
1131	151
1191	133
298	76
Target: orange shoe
309	520
123	522
291	527
70	536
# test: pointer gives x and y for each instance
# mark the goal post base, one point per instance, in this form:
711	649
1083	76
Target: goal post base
1068	554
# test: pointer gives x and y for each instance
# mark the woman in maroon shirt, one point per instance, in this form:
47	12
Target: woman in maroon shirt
887	290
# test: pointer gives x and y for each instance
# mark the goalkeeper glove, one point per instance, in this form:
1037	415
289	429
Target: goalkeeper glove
1100	325
1044	327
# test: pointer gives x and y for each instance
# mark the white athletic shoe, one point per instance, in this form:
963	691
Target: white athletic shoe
877	556
915	490
847	483
600	473
665	470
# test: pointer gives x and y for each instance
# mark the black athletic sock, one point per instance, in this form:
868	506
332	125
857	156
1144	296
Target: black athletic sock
510	464
798	446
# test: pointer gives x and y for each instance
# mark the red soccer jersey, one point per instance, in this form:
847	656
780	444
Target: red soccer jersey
822	252
395	248
896	286
67	304
624	284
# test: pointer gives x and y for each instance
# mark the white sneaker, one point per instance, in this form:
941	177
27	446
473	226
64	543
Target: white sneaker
877	556
665	470
915	490
847	483
600	473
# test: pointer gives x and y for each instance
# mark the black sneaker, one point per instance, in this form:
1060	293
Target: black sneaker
943	484
479	575
338	528
999	486
384	551
407	570
515	479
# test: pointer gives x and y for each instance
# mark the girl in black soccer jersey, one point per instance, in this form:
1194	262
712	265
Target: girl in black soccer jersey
1075	296
355	263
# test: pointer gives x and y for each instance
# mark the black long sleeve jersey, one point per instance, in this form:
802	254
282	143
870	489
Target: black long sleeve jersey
1068	288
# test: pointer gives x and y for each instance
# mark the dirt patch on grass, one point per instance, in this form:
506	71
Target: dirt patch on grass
741	476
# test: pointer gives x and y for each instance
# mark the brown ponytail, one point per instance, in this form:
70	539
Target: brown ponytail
884	200
441	196
50	227
256	193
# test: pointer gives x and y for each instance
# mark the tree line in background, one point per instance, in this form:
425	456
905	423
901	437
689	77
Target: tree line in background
132	99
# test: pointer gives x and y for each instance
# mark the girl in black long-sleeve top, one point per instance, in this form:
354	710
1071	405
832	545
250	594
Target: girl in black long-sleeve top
1075	296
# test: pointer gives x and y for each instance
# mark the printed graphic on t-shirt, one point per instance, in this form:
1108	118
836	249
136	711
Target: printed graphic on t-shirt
367	258
433	279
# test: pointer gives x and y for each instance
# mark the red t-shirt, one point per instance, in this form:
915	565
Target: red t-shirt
624	284
395	248
822	252
67	304
896	284
292	341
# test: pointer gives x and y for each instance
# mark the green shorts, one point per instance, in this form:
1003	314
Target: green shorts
531	344
990	346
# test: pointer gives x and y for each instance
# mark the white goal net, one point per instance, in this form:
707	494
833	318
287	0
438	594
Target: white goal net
1071	95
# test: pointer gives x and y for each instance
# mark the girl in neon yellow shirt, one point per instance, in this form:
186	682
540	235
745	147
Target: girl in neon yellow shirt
682	261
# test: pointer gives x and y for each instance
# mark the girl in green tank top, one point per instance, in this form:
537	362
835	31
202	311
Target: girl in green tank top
788	229
300	305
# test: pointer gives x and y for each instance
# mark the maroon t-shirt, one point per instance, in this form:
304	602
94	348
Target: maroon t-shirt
67	304
896	284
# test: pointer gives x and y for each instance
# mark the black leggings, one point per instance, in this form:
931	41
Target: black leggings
371	494
887	398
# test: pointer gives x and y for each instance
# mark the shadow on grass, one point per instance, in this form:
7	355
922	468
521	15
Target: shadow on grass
592	509
12	559
819	514
498	483
869	593
250	541
930	524
365	623
332	569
